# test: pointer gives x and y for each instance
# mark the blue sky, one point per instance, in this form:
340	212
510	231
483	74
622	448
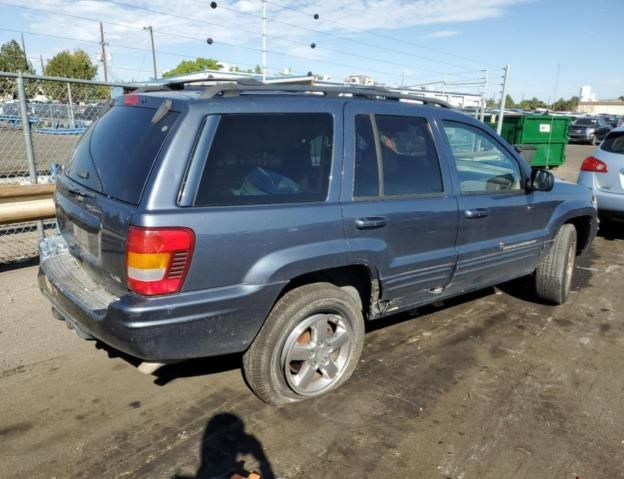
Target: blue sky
395	41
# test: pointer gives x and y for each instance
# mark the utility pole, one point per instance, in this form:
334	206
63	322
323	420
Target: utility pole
264	19
501	113
151	32
42	66
483	99
24	48
103	45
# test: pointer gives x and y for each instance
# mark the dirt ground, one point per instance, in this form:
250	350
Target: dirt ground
492	385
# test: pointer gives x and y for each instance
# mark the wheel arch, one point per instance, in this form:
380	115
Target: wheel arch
584	233
360	281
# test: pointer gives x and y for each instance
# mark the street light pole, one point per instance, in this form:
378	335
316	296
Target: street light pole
264	19
103	46
151	32
501	113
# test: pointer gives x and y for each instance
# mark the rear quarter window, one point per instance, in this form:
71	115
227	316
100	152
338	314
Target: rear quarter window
117	153
268	158
614	142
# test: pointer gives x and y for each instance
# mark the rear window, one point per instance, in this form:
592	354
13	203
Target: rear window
116	154
268	158
614	142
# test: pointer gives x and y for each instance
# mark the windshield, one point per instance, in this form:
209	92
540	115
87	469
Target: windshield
585	122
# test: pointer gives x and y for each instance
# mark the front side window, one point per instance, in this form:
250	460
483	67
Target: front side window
482	165
268	158
408	162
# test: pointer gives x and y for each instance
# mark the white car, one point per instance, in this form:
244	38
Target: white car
603	172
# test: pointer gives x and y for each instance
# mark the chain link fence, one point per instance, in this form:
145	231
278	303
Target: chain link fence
41	121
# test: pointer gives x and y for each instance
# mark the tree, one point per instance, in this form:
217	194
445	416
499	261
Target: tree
621	98
193	66
491	103
12	59
76	64
532	104
509	103
566	105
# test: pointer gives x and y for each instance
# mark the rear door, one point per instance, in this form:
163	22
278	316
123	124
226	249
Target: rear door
611	151
502	227
399	212
99	191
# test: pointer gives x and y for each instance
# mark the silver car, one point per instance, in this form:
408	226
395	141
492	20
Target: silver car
603	172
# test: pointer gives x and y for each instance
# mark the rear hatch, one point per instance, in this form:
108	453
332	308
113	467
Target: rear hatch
103	185
611	151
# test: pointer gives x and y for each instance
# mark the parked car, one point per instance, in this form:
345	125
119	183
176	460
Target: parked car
603	172
612	120
588	130
273	222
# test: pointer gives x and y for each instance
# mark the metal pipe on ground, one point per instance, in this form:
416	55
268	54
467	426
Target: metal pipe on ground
20	203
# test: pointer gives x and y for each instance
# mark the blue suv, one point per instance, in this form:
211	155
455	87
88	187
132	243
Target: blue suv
275	220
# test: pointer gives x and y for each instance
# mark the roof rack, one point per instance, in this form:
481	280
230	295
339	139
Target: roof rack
229	88
235	88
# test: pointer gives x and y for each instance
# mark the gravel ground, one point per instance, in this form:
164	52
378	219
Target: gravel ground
491	385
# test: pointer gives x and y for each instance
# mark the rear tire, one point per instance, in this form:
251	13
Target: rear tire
309	345
553	276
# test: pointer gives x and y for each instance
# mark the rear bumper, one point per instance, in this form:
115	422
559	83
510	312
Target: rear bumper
608	203
164	328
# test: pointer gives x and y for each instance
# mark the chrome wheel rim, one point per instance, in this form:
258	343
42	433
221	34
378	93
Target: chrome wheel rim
570	267
316	353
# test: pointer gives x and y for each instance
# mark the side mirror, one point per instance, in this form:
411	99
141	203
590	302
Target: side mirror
541	180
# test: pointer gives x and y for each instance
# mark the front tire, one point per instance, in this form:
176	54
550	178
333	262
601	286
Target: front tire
309	345
553	276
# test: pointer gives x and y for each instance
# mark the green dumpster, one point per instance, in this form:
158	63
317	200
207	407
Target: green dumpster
549	135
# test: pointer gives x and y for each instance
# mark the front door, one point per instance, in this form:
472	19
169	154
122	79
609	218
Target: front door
399	214
502	227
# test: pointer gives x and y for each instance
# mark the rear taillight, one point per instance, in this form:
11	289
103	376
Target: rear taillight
591	163
158	259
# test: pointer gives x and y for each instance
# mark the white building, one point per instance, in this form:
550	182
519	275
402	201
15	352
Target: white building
586	94
590	105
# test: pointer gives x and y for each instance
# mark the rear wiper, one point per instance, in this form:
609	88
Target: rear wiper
79	191
163	109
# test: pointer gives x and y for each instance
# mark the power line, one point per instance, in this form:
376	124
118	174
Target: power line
401	40
339	36
158	12
341	65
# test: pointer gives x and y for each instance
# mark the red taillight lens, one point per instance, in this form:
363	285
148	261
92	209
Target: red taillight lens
131	100
158	259
591	163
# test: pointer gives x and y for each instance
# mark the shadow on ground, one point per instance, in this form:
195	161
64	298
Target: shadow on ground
224	450
611	230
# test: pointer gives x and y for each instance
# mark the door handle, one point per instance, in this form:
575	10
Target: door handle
371	222
476	213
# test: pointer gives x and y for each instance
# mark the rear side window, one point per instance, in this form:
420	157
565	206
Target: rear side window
117	153
268	158
366	182
408	162
614	142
